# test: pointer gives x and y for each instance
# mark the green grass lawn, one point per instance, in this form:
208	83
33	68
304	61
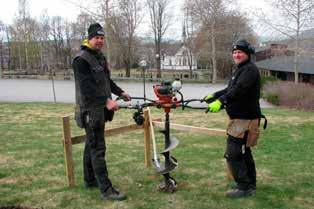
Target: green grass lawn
32	171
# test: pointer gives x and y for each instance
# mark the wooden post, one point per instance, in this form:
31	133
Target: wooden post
67	145
148	162
229	173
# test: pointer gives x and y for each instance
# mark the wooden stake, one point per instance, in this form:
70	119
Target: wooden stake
67	145
147	134
193	129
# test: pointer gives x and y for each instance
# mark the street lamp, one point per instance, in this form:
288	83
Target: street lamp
143	64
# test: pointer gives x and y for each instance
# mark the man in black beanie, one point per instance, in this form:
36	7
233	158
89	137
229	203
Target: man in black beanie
241	100
94	106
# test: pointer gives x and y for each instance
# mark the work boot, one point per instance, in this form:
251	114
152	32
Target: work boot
236	186
112	194
237	193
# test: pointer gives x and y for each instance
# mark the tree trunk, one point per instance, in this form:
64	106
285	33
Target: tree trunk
296	61
190	62
297	48
158	67
214	60
26	56
127	68
108	57
157	57
20	58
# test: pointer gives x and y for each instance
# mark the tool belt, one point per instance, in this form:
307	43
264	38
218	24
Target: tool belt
238	128
93	117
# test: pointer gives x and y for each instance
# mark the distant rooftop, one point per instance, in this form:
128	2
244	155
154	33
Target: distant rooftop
286	64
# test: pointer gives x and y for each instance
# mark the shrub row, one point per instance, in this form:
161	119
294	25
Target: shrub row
289	94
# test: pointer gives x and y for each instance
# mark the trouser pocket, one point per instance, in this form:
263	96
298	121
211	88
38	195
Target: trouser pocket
95	117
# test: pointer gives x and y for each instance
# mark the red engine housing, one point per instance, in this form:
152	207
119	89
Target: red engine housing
166	97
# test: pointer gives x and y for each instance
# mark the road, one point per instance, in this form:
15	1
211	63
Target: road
27	90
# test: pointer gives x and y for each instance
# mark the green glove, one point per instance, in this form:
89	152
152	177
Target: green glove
214	106
209	98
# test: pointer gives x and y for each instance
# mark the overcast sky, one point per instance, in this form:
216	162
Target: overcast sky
9	9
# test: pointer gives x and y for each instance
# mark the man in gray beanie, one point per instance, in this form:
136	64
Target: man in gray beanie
241	100
94	106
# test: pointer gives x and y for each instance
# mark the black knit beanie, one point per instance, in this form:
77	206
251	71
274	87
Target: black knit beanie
244	46
95	30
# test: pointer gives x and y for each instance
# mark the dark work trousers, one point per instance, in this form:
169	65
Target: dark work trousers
95	168
241	163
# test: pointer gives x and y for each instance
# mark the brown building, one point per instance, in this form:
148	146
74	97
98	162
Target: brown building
282	67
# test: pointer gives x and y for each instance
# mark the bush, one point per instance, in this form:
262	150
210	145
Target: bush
272	98
267	79
135	65
289	94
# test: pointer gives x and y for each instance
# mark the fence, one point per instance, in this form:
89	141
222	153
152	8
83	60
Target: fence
68	140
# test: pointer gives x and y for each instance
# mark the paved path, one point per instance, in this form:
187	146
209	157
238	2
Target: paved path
27	90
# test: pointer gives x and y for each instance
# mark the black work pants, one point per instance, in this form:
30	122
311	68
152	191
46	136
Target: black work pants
95	168
241	163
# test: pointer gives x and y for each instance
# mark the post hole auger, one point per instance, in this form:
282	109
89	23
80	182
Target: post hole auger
166	99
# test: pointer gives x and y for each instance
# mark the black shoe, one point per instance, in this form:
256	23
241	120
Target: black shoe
91	185
112	194
237	193
236	186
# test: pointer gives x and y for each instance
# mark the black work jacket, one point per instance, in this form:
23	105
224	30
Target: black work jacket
241	97
93	84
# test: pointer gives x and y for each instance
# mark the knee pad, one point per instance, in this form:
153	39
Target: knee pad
234	151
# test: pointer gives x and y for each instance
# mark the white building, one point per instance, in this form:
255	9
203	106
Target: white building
182	59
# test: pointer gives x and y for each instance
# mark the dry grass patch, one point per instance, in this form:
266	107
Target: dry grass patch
8	180
290	120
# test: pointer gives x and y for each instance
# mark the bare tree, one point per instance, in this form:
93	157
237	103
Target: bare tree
189	35
24	47
294	17
2	29
107	7
123	24
160	20
215	31
57	33
208	13
22	19
43	34
83	20
8	34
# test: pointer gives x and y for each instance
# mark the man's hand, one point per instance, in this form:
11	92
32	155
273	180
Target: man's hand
112	105
214	106
209	98
126	97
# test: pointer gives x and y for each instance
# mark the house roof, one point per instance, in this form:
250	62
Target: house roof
307	34
286	64
171	49
260	49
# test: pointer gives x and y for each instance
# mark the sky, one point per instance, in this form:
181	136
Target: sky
69	11
9	9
